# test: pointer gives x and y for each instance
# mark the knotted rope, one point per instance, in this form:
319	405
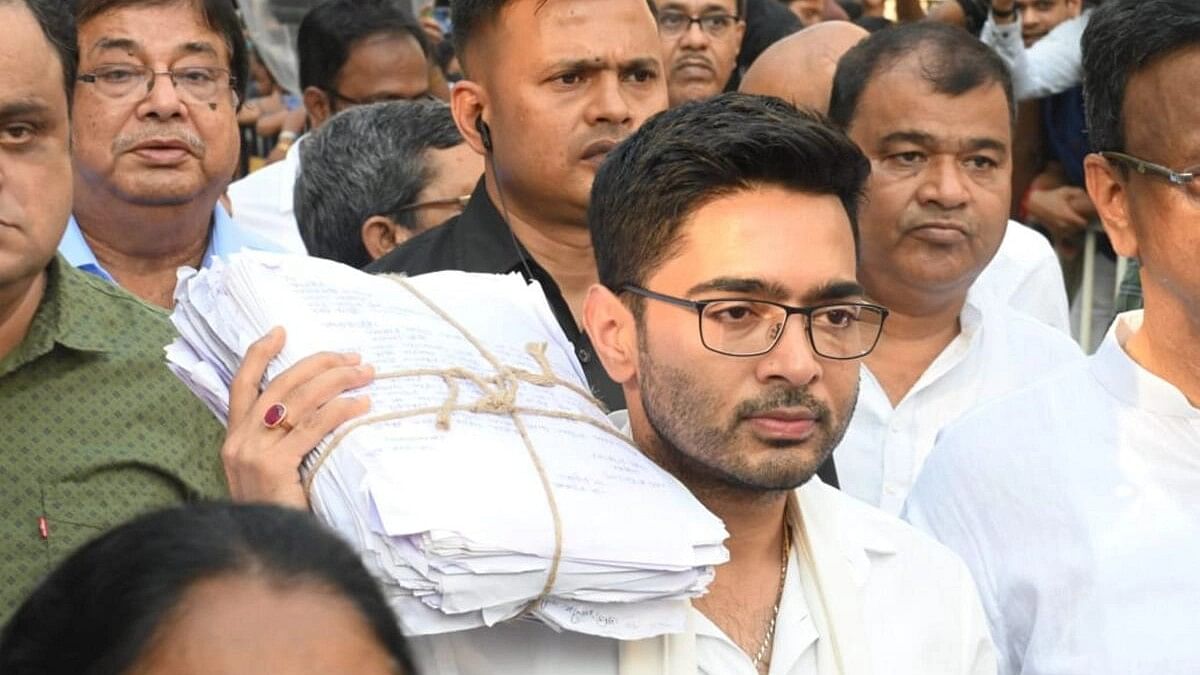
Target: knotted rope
499	397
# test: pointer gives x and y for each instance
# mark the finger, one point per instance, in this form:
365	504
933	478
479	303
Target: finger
310	396
281	389
312	429
243	390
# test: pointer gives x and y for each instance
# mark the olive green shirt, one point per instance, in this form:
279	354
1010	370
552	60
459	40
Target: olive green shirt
93	427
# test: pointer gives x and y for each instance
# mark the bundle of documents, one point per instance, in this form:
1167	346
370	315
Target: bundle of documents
485	483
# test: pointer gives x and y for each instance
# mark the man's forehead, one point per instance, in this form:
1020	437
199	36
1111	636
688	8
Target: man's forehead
1162	109
29	66
902	99
601	32
129	29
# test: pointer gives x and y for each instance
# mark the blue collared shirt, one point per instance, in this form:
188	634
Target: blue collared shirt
227	237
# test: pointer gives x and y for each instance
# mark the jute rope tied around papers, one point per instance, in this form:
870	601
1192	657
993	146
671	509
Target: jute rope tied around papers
499	398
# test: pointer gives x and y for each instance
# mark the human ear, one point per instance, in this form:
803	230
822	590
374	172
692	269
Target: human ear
468	105
318	105
1106	186
381	234
612	329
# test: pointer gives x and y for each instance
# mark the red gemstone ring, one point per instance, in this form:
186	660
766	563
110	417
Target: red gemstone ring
276	416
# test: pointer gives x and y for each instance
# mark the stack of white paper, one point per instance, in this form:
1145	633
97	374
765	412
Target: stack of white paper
456	519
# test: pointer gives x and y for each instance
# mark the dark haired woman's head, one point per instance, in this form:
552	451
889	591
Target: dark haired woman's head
212	588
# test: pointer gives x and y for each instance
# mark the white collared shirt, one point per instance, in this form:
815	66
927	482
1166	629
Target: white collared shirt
262	201
998	350
919	606
1076	503
1026	274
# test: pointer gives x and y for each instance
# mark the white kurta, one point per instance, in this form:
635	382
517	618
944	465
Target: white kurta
920	616
998	350
1026	274
262	201
1076	503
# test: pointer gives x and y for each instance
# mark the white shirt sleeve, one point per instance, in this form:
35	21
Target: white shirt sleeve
1052	65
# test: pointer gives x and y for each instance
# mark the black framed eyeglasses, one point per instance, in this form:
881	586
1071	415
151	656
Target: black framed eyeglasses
841	331
1188	179
671	23
197	84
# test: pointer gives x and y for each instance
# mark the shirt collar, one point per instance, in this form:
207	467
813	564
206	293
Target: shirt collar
289	168
225	237
484	239
1130	383
65	316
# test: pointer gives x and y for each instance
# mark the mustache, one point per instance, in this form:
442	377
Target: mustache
125	142
782	398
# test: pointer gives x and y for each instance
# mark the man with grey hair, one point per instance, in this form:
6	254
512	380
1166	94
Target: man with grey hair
375	175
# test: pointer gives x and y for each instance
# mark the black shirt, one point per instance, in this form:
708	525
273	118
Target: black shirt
478	240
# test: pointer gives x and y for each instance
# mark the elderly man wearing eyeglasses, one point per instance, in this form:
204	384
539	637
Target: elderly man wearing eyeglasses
155	141
701	40
374	176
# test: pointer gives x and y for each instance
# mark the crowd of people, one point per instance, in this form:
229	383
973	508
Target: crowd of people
968	454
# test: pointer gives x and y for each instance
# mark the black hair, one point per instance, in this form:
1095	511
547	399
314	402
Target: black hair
951	60
99	610
366	161
1123	37
58	25
330	30
686	157
470	16
767	22
219	15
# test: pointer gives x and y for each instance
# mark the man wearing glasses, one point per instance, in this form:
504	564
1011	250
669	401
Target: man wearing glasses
154	141
351	52
1075	501
701	40
377	175
729	311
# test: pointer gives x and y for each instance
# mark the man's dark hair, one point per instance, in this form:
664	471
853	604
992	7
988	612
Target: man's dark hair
219	15
1123	37
330	30
366	161
686	157
951	60
470	16
100	609
58	25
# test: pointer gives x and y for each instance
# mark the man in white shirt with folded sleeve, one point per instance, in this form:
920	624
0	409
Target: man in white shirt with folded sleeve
933	110
1075	500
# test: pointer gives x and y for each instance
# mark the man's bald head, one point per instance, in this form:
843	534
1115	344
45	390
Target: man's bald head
799	68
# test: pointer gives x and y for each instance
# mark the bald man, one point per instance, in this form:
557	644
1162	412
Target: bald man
799	68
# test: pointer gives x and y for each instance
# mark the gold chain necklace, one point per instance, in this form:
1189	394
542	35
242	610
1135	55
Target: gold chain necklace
769	638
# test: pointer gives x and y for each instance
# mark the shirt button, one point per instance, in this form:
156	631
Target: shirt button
585	356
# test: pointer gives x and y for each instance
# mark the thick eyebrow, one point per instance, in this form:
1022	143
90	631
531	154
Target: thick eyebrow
927	140
835	290
594	65
838	289
756	287
23	108
108	44
203	48
129	45
710	8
